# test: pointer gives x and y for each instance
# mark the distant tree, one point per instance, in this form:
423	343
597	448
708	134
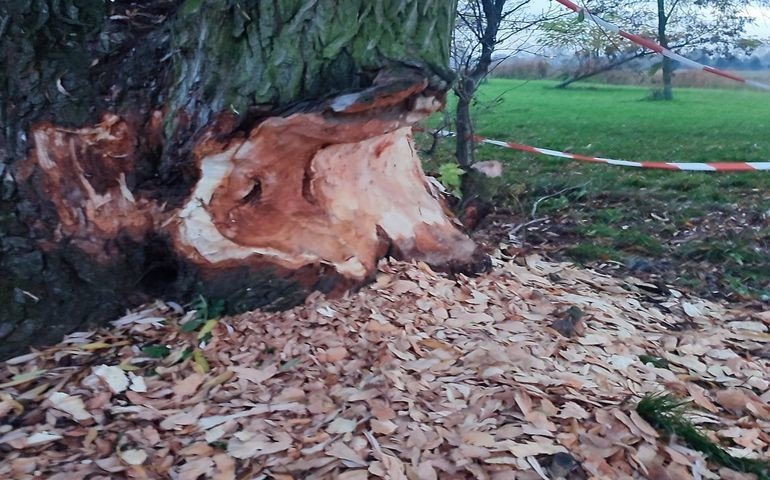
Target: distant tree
595	50
713	26
482	28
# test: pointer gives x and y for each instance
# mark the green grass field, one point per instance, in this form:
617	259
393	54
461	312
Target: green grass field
707	232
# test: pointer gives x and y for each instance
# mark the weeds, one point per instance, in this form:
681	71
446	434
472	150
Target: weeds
669	414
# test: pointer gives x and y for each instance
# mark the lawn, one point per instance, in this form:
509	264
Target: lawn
702	231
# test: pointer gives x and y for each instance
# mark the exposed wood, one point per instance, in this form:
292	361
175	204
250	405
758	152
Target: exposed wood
250	154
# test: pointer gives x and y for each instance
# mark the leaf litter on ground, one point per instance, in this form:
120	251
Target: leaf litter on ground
533	370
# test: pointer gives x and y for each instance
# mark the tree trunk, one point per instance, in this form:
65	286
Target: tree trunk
246	151
464	130
667	67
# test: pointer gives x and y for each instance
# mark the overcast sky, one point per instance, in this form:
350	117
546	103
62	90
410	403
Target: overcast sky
760	27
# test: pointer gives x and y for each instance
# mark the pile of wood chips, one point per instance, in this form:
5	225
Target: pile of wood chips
531	371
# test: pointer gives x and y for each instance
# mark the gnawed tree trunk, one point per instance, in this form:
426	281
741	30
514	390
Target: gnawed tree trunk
245	151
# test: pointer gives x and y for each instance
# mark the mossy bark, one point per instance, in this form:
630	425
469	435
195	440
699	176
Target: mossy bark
111	112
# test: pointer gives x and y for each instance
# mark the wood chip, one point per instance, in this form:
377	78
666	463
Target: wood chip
418	376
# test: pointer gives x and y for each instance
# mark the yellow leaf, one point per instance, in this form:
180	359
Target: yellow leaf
128	367
101	345
219	379
201	364
11	403
22	378
207	328
95	346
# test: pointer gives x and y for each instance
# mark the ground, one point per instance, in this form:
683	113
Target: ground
533	370
700	231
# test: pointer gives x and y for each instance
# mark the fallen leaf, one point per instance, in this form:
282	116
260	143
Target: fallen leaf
189	385
341	425
530	449
71	405
698	395
258	445
133	456
490	168
255	375
385	427
114	377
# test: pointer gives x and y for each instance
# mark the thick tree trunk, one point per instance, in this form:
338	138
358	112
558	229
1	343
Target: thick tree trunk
667	66
246	151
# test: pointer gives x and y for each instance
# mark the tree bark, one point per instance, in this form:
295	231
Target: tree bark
667	66
464	130
246	151
483	18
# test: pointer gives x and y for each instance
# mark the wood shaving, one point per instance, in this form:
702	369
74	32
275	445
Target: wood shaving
419	375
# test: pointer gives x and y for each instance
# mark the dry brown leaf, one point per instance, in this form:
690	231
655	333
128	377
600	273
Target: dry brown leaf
225	467
245	445
196	467
530	449
133	456
733	399
698	395
354	475
255	375
334	354
384	427
189	385
344	452
451	377
481	439
394	468
573	410
183	418
341	425
110	464
642	425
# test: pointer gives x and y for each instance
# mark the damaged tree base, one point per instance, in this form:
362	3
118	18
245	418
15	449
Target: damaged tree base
290	204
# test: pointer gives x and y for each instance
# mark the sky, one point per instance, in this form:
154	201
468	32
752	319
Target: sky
760	28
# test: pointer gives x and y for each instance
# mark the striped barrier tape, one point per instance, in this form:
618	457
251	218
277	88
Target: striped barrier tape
691	167
646	43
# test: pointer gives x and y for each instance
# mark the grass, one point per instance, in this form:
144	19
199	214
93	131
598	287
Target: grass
668	414
705	231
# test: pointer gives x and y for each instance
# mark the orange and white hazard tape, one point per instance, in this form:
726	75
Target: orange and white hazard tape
691	167
646	43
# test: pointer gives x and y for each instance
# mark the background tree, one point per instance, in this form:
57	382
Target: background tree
595	51
247	151
482	28
486	33
715	26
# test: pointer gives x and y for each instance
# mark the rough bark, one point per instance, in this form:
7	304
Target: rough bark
246	151
464	128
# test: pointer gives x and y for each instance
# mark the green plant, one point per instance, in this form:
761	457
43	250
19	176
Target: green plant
450	175
669	414
205	310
